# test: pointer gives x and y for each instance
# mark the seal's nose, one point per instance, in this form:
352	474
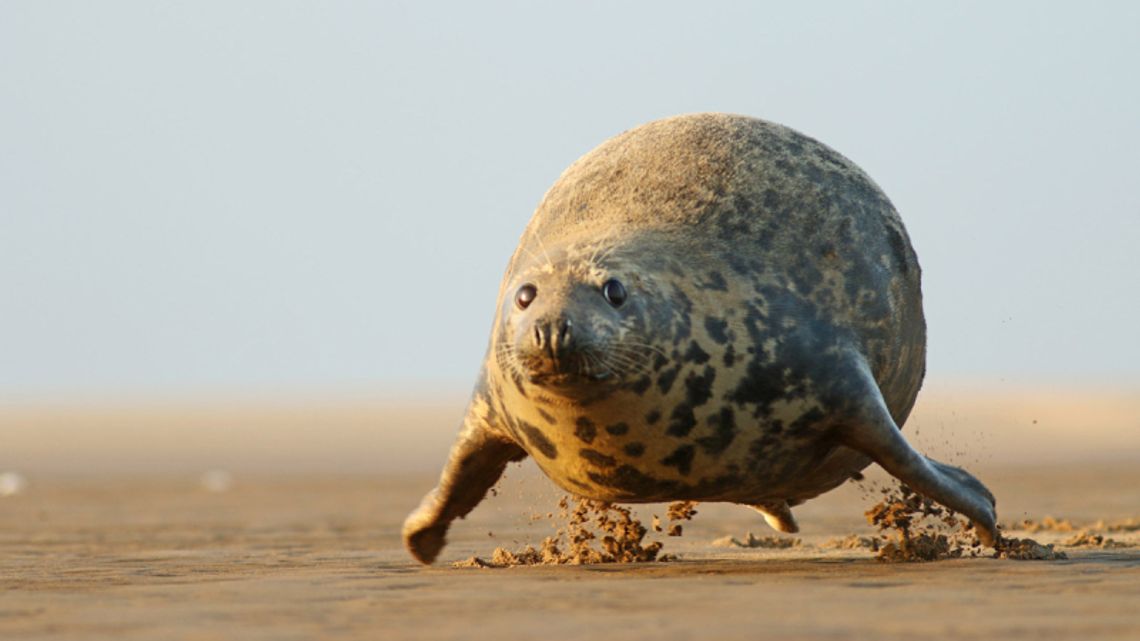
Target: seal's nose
555	337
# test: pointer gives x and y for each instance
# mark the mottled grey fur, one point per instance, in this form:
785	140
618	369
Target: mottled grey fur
771	345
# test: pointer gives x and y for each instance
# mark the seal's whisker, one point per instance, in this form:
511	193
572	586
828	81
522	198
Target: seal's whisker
542	246
597	360
608	364
593	254
607	249
586	365
633	356
535	257
625	364
633	344
626	354
613	351
629	354
506	355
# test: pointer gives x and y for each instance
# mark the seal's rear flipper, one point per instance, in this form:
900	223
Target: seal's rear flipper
873	432
476	462
778	515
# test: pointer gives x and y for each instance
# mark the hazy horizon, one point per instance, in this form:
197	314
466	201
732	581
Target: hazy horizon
268	198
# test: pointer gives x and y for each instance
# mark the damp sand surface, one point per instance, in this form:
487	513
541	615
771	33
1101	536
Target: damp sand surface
303	557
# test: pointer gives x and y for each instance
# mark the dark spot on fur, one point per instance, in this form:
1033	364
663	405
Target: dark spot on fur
538	440
634	449
716	282
742	204
732	229
771	199
546	416
806	421
739	265
761	384
617	429
653	416
635	483
724	431
717	329
813	172
729	356
698	391
759	450
805	274
695	354
518	381
585	430
681	458
641	385
665	379
794	146
681	421
597	458
682	326
698	387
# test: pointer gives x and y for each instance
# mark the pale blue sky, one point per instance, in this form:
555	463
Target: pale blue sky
206	197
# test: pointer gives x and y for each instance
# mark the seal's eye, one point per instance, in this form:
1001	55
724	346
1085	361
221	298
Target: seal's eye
525	296
614	292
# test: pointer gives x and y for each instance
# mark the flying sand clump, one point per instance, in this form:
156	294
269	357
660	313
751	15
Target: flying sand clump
911	528
593	532
914	528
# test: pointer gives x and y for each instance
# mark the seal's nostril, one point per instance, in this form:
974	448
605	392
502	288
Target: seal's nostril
564	336
537	336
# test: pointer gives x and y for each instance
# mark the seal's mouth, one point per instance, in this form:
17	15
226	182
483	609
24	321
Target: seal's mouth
568	379
574	387
566	368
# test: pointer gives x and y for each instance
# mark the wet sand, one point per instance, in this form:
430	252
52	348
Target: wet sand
304	552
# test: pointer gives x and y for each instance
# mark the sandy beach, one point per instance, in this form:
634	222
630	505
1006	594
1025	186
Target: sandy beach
297	537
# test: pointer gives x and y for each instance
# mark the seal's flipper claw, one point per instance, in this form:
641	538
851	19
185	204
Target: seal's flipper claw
424	532
873	432
476	462
778	515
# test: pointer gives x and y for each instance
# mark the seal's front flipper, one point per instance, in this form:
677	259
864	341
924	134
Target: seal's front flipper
778	515
873	432
476	462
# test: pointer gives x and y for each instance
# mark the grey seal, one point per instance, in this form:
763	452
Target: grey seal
709	307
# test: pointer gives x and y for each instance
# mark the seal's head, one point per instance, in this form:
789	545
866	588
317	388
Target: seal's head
572	320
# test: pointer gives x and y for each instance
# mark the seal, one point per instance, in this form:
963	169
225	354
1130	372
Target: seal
708	307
